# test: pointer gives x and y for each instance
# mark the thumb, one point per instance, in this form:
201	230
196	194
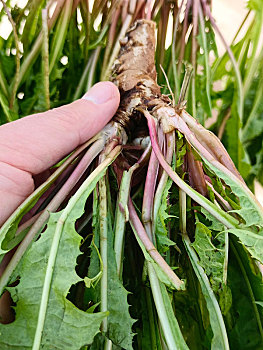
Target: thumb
36	142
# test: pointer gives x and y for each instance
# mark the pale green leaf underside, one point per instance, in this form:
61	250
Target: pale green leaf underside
211	258
61	317
220	339
65	325
250	211
252	241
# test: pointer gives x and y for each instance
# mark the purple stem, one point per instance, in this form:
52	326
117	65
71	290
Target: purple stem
181	125
211	143
28	223
170	148
150	248
91	153
196	173
149	189
225	218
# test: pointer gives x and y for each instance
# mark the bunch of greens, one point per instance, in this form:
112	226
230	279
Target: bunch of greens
160	245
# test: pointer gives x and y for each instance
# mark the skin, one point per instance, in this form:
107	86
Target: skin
31	145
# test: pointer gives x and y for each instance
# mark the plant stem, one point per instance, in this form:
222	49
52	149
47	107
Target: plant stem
161	311
93	68
111	36
183	218
206	55
87	186
28	223
211	143
122	216
6	110
29	60
3	83
83	78
151	317
45	56
207	157
106	74
60	34
16	77
170	142
176	80
148	196
193	54
183	36
103	250
92	152
150	248
246	134
31	200
223	217
232	58
216	318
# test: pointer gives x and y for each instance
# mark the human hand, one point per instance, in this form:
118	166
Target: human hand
32	144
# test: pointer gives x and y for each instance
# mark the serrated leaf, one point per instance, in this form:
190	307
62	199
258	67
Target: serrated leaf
251	211
43	314
212	258
119	321
65	325
161	232
215	224
252	241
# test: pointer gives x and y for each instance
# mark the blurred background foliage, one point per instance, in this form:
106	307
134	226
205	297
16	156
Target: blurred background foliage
58	49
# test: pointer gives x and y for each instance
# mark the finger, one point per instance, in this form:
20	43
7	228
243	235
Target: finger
31	145
36	142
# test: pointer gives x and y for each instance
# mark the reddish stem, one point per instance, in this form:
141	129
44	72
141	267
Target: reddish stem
148	9
136	223
149	189
92	152
196	174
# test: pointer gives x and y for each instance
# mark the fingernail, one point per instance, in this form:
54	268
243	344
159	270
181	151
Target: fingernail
100	93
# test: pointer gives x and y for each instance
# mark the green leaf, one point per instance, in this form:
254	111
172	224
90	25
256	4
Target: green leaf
32	23
220	339
60	34
212	258
119	321
161	222
180	150
235	147
203	79
180	342
245	282
252	241
251	211
160	273
65	326
43	296
215	224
